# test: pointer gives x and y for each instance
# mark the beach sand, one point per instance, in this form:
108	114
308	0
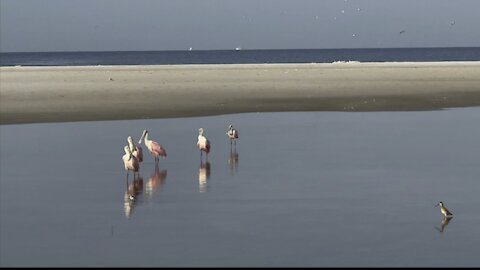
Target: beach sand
84	93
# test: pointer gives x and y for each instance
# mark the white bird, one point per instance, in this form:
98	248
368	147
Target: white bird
203	143
136	149
130	162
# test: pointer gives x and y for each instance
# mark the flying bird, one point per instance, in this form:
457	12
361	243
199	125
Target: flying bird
136	149
203	143
154	147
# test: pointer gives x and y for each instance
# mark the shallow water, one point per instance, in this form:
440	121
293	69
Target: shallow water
301	189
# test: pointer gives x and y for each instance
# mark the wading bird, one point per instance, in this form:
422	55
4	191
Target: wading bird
444	210
232	135
203	143
155	148
130	162
136	149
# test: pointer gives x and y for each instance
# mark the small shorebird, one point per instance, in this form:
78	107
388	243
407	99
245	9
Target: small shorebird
232	134
130	162
155	148
136	149
203	143
444	210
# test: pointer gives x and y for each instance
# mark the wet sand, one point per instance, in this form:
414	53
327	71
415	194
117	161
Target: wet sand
63	94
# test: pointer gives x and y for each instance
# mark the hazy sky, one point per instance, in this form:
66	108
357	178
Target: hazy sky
118	25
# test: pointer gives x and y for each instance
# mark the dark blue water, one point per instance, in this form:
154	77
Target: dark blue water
239	57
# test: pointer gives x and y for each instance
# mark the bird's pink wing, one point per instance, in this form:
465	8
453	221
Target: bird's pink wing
158	149
207	145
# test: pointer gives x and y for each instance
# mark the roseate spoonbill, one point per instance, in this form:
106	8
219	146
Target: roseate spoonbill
136	149
203	143
232	134
130	162
444	210
154	147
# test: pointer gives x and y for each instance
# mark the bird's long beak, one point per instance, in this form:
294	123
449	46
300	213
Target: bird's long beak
436	205
143	136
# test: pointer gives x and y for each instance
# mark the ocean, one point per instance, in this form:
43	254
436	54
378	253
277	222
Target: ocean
239	56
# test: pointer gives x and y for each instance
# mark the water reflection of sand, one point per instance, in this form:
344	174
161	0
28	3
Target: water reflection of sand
51	94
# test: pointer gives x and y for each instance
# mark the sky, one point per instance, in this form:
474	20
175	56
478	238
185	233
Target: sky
141	25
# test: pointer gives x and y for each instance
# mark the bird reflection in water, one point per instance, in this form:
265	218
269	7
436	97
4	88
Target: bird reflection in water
157	179
203	176
443	225
132	194
233	160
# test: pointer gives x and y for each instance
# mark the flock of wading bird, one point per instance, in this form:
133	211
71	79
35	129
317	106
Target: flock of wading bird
134	154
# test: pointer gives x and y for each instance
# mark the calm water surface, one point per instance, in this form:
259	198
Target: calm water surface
301	189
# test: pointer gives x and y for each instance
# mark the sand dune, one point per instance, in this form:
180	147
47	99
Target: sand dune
60	94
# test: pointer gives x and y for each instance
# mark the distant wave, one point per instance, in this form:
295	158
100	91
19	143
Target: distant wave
242	56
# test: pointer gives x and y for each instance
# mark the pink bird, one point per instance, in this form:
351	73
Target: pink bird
130	162
136	149
203	143
232	135
155	148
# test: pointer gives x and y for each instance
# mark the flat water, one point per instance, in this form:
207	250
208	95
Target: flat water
299	189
